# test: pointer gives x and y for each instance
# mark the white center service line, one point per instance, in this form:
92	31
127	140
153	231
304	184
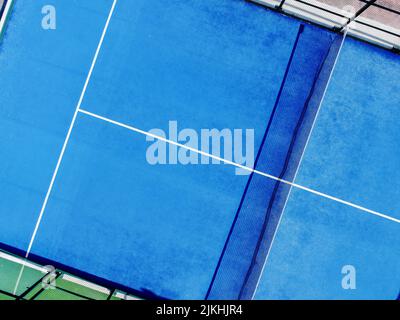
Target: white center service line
295	185
46	199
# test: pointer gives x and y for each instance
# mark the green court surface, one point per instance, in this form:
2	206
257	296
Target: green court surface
37	282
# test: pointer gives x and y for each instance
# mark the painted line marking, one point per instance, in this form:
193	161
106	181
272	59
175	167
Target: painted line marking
321	194
46	199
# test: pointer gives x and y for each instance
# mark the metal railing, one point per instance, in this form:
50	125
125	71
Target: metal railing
374	21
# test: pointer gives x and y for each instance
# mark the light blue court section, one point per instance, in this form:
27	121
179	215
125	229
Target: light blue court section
112	214
317	237
42	75
354	153
206	64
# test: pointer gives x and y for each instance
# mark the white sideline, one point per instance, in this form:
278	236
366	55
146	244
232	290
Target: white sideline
69	131
324	195
67	138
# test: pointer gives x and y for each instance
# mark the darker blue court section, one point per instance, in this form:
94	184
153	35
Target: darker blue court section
307	75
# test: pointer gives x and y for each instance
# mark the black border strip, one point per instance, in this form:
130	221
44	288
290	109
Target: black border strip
33	286
8	294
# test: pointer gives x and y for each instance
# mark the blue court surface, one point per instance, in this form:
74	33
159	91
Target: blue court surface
77	105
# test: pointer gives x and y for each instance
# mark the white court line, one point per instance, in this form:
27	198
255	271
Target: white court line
301	160
321	194
46	199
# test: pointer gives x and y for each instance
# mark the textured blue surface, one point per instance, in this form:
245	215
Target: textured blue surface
203	73
159	228
354	155
42	75
317	237
111	214
307	75
355	152
206	64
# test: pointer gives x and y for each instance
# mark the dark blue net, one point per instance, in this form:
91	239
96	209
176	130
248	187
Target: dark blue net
307	75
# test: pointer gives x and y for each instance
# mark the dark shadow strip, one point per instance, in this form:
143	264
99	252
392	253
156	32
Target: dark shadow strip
301	29
282	175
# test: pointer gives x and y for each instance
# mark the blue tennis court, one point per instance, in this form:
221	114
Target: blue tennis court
81	105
